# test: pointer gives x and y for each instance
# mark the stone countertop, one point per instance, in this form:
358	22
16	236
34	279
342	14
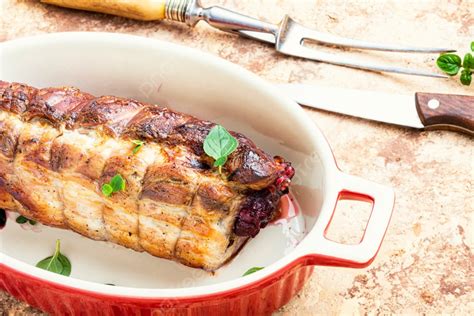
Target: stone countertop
425	265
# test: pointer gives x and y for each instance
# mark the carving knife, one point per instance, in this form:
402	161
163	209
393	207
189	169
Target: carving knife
420	110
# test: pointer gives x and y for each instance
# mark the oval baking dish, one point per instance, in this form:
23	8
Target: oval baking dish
210	88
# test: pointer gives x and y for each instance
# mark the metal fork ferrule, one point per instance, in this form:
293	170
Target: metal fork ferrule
175	10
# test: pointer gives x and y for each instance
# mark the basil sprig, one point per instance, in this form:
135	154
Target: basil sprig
116	184
468	61
252	270
22	220
57	263
466	77
138	144
451	64
219	144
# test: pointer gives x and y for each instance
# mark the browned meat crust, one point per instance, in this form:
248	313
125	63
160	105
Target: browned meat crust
58	146
119	117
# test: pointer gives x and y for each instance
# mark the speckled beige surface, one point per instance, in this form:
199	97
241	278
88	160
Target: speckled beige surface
425	265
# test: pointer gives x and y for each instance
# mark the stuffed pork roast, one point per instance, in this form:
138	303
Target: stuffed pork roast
59	146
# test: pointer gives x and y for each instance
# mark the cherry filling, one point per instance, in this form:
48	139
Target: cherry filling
259	208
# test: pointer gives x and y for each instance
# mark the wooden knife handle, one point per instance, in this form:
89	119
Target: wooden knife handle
145	10
446	111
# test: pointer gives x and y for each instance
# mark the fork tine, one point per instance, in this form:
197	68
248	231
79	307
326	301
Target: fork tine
329	39
308	53
290	40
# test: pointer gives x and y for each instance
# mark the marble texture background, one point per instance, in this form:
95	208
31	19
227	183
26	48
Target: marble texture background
425	265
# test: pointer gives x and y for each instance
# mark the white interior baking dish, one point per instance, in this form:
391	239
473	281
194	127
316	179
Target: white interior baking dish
210	88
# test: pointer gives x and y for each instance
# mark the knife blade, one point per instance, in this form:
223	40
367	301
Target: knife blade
421	110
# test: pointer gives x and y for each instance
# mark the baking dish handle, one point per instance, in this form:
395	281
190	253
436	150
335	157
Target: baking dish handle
332	253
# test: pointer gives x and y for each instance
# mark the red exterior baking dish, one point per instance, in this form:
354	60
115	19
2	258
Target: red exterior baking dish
210	88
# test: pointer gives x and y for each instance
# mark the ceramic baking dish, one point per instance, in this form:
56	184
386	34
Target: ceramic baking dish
210	88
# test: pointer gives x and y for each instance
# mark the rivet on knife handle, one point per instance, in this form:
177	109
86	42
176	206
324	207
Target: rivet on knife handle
446	111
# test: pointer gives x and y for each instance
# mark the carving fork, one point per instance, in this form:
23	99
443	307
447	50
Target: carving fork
288	36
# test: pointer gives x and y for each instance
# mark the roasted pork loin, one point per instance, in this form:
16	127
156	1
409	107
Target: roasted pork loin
58	146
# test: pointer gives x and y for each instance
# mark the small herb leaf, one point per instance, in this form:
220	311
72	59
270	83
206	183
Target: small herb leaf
449	63
57	263
138	144
466	77
21	219
252	270
219	144
472	46
116	184
107	189
468	61
51	264
220	162
66	264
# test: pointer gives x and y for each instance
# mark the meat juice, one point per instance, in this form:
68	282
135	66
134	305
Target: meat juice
288	210
291	221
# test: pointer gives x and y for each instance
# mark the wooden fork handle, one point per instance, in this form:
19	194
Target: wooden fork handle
145	10
446	111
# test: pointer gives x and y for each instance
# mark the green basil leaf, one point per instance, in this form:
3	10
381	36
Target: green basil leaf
51	264
252	270
136	149
57	263
472	46
466	77
117	183
219	144
21	219
67	267
107	189
468	61
138	144
220	162
449	63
